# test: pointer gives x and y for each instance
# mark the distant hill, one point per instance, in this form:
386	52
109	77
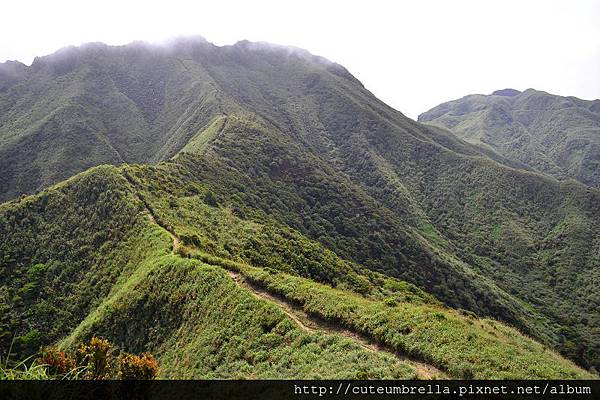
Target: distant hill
557	135
257	174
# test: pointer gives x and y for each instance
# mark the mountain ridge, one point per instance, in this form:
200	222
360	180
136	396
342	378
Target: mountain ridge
555	135
267	158
142	312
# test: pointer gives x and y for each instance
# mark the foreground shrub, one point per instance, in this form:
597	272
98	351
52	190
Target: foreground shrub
95	356
57	362
132	367
93	360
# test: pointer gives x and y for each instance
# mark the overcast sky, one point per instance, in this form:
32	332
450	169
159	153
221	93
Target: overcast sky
411	54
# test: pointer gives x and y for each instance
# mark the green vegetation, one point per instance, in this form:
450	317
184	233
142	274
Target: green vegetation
557	135
464	346
63	251
282	162
201	324
23	370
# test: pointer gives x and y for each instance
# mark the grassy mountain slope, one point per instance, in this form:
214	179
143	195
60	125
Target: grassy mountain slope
186	308
11	72
556	135
83	107
548	300
283	160
421	179
62	251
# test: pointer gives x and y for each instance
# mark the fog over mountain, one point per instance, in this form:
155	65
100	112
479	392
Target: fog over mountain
412	55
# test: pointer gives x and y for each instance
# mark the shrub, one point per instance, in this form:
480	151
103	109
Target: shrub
95	355
58	362
30	341
92	361
390	302
132	367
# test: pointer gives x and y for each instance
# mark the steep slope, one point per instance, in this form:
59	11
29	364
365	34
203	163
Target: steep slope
55	276
201	323
97	104
500	245
62	251
83	107
556	135
308	173
489	217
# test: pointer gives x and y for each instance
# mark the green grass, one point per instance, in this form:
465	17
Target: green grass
552	134
23	370
202	326
464	346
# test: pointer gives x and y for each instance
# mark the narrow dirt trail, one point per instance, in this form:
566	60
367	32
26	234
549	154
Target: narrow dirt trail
150	213
305	321
311	323
174	238
293	312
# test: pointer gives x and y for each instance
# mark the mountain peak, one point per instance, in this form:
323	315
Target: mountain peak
564	149
506	92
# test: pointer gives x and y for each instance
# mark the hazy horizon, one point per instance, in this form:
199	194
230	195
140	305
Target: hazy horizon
413	55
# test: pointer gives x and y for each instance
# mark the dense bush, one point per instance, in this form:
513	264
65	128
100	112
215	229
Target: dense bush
58	362
143	367
95	356
95	359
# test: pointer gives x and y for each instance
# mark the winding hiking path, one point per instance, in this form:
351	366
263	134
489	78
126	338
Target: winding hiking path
310	323
305	321
174	238
151	214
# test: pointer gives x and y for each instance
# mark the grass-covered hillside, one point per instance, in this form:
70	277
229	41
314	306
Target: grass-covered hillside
556	135
148	284
83	107
279	160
